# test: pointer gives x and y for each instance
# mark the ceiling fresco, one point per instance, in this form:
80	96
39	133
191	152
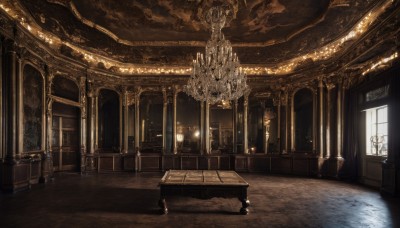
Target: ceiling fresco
171	32
162	37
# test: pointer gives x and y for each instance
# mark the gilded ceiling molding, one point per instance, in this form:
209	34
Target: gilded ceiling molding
128	69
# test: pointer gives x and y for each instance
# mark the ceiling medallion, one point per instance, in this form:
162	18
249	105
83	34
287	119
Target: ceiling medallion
217	75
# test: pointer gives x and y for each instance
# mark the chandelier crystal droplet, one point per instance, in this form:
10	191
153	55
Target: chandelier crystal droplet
217	75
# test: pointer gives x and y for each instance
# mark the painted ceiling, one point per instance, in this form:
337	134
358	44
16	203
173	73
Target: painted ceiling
283	34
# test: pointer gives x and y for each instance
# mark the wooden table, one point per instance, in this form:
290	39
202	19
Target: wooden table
203	184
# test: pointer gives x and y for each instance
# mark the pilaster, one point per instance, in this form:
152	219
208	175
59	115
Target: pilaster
207	129
245	124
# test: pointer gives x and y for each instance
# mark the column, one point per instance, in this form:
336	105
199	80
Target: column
202	128
10	81
20	108
287	122
315	119
96	120
125	125
137	129
278	104
82	89
234	126
92	124
207	129
329	87
174	130
47	160
321	118
339	114
245	133
137	120
91	112
292	124
164	120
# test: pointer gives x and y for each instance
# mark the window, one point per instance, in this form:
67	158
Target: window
377	131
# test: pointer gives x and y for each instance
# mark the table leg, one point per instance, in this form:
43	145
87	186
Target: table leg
245	204
163	205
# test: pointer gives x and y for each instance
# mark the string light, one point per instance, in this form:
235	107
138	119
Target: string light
381	62
283	68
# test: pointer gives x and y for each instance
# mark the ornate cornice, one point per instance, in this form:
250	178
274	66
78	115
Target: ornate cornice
301	63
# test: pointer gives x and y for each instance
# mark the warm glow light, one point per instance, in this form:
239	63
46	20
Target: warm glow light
179	137
322	53
381	62
196	134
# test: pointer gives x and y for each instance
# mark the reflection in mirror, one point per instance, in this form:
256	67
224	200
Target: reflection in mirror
108	130
270	121
187	124
131	128
303	119
221	127
255	125
151	120
263	125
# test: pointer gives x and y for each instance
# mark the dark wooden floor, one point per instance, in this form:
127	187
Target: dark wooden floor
130	200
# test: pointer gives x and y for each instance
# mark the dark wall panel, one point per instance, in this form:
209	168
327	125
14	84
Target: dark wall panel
33	108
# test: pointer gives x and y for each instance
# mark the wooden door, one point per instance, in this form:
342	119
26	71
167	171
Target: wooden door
65	142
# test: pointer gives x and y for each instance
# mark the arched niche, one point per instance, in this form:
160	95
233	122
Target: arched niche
33	108
108	121
302	117
65	88
151	122
187	124
221	127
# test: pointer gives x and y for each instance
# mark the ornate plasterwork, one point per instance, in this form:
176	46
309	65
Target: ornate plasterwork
119	68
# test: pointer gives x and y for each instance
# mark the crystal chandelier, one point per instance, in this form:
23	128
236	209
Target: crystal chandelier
217	75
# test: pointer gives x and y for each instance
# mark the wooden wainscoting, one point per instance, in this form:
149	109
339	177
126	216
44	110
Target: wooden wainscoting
109	162
291	164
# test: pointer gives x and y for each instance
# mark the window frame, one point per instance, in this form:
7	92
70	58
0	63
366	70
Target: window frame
374	125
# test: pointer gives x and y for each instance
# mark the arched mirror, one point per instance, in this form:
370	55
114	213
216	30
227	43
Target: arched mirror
108	121
151	122
33	109
187	124
221	127
303	120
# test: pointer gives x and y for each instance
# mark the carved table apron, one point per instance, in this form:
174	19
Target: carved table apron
203	184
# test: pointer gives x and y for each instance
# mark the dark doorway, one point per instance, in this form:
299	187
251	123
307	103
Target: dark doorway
109	138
